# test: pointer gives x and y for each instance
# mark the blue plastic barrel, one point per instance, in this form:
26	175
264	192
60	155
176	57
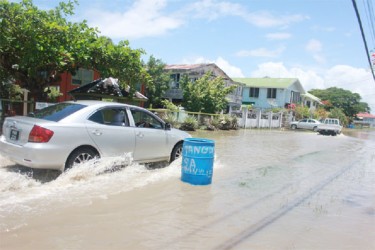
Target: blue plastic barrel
197	161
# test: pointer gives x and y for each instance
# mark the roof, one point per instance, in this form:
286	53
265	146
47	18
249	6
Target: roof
267	82
312	97
201	66
365	115
185	66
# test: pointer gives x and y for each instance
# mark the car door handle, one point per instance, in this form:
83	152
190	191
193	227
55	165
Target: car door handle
140	134
96	132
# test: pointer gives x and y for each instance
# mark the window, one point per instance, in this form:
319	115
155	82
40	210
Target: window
112	116
83	76
271	93
57	112
175	81
145	120
254	92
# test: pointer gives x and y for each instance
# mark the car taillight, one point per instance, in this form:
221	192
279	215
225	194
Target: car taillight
40	134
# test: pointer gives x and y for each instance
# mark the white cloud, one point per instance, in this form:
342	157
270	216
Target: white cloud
314	46
261	52
147	18
357	80
230	70
212	9
278	36
266	19
144	18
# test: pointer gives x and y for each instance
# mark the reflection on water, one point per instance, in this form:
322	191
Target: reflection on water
270	190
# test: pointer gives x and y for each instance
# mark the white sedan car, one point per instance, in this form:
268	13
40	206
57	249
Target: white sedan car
69	133
310	124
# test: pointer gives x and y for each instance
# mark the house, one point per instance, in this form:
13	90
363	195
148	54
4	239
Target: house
311	101
194	72
365	120
69	82
267	93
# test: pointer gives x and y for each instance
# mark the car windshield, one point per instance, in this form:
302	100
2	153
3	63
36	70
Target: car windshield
57	112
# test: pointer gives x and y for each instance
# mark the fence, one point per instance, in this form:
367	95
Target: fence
245	118
260	119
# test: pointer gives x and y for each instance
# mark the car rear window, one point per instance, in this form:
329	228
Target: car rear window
57	112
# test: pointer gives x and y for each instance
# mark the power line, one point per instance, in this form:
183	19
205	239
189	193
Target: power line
363	37
369	11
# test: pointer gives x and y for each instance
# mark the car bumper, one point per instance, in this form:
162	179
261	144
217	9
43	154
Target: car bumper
33	155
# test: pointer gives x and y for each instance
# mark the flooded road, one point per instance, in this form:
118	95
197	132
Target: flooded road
270	190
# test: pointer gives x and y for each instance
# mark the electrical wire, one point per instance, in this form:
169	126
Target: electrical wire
363	37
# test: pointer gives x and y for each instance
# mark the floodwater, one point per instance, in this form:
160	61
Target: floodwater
270	190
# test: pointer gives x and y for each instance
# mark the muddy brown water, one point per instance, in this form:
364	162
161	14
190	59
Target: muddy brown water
270	190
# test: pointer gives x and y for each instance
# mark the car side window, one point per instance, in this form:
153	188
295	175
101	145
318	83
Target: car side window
143	119
303	120
110	116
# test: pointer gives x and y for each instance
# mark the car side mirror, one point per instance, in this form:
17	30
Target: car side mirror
168	126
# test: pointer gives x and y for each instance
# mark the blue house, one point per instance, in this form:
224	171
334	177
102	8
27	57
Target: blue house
267	93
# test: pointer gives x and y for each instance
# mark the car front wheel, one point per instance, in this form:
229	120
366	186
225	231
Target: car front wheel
294	126
80	155
176	152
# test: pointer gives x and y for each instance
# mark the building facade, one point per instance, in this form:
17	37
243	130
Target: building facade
194	72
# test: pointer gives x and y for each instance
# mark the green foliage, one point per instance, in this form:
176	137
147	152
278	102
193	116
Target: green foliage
227	122
207	94
11	91
338	113
189	124
37	45
302	112
158	84
170	118
320	113
350	103
169	105
53	93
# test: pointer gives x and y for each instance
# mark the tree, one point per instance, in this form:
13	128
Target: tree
338	113
159	84
207	94
302	112
350	103
37	45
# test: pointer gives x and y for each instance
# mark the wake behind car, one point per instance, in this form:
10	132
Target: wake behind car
310	124
68	133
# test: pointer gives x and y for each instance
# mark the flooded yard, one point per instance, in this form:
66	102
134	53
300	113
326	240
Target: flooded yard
270	190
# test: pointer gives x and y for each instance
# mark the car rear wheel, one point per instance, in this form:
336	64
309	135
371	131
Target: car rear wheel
80	155
176	152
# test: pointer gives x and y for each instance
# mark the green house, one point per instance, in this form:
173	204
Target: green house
266	93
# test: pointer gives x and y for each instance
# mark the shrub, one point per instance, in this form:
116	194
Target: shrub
225	122
170	118
190	124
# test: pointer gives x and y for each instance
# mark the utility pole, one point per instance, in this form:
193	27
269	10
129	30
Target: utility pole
363	37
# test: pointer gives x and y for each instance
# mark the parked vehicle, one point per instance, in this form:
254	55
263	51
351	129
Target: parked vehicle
310	124
69	133
330	126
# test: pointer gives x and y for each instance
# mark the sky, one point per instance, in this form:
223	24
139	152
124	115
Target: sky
317	41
